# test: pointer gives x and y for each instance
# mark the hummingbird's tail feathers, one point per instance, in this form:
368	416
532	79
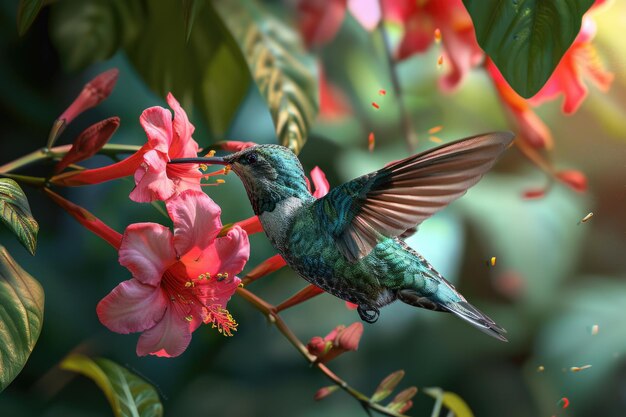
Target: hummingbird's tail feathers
472	315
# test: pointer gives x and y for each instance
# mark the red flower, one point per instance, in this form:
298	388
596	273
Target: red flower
420	20
579	62
180	280
342	339
531	127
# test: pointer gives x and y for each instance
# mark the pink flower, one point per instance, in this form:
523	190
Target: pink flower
342	339
180	279
579	62
420	20
154	178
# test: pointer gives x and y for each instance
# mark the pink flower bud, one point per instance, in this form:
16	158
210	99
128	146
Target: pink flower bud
89	142
94	92
325	392
575	179
340	340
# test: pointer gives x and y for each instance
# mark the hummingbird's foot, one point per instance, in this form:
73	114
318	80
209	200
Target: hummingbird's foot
368	314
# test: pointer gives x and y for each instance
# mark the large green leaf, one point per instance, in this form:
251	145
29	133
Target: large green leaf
88	31
27	11
21	317
284	74
206	70
128	394
526	39
15	214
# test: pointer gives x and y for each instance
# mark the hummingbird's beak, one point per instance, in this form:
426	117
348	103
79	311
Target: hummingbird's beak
209	160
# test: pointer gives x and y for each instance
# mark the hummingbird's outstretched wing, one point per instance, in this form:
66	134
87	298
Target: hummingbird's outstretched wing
400	196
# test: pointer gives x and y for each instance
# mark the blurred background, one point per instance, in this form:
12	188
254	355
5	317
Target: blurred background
554	278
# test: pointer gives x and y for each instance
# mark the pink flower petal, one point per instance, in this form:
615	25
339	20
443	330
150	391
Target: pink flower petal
219	292
233	251
169	338
147	251
196	222
182	145
132	307
319	182
366	12
157	122
151	180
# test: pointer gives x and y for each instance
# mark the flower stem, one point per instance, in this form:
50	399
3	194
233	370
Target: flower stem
270	311
25	179
407	123
59	151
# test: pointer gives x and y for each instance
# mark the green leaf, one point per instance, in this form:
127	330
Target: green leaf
284	74
451	401
88	31
21	317
15	214
387	385
27	11
128	394
190	11
526	39
207	71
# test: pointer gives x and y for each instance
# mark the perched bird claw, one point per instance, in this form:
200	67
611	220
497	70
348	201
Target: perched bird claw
368	314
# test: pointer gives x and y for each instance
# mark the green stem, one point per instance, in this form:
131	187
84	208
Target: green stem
59	151
25	179
407	123
270	311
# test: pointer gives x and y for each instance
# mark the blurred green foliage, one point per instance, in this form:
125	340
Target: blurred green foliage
553	278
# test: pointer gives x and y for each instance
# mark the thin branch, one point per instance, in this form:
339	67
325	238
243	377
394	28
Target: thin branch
273	316
407	124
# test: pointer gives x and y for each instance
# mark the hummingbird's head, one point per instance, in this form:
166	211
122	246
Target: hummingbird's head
270	174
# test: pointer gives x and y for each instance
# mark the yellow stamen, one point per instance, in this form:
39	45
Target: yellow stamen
220	181
210	154
189	317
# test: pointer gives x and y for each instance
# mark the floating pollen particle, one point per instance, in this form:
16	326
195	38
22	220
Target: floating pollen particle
435	139
371	142
375	105
220	181
586	218
435	129
492	261
540	368
440	62
563	402
382	92
437	35
210	154
595	329
579	368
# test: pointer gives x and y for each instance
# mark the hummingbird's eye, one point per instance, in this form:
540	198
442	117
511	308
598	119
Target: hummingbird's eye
252	158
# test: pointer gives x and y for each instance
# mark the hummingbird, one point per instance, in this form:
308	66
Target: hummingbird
350	242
